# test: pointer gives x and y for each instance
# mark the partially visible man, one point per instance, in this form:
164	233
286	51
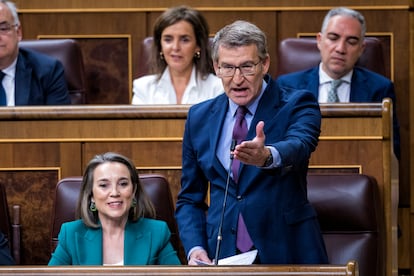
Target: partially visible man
267	206
341	43
5	256
27	77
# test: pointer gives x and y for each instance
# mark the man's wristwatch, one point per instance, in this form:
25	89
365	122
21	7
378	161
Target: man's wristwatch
269	160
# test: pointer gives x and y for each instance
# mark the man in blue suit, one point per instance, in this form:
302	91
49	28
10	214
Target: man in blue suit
30	78
341	43
269	195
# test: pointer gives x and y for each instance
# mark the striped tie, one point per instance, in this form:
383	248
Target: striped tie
333	94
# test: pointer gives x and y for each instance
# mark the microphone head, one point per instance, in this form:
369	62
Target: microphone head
233	144
232	147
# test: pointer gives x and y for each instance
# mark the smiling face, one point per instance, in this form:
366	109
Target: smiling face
340	45
179	45
112	191
10	35
242	90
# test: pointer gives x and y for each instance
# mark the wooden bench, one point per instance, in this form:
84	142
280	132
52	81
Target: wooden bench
41	145
350	269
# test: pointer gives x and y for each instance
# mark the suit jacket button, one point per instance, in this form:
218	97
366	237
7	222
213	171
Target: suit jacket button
233	231
239	197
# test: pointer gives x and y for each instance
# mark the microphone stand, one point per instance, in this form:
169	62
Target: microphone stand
226	191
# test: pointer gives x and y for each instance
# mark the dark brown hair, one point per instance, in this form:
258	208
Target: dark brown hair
144	206
204	64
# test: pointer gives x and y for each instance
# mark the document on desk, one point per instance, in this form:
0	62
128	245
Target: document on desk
246	258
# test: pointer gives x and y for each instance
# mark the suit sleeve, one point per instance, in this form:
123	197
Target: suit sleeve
302	129
55	87
5	256
191	207
61	255
167	255
141	91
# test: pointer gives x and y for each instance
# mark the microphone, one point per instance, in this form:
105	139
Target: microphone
219	234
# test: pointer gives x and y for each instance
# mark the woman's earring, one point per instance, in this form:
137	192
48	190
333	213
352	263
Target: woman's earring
197	55
161	56
92	206
134	203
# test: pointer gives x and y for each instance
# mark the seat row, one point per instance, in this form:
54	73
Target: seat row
348	207
294	54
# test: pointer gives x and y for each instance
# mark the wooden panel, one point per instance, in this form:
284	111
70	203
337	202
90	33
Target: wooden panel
404	239
363	141
33	189
45	144
353	137
349	269
109	50
232	4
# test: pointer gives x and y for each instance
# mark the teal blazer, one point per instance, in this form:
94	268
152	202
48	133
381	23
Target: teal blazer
147	242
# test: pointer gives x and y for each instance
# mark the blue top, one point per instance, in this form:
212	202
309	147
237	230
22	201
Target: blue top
147	242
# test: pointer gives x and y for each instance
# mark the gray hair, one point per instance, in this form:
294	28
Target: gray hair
240	33
13	9
345	12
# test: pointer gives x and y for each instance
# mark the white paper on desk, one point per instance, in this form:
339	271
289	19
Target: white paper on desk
245	258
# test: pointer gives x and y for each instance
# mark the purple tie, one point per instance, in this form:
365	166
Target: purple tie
239	134
333	91
244	242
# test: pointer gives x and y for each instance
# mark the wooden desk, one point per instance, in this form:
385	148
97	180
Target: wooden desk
349	269
40	145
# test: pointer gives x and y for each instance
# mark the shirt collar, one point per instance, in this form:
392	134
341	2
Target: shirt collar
11	70
167	77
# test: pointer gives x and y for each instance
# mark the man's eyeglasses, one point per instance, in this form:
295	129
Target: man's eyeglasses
247	69
5	28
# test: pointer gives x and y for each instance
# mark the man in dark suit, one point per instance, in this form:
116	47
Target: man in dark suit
341	43
5	256
269	195
30	78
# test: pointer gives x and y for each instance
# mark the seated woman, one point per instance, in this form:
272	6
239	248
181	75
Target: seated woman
5	256
181	61
113	228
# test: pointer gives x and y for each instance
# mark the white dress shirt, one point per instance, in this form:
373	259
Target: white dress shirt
343	91
8	83
147	90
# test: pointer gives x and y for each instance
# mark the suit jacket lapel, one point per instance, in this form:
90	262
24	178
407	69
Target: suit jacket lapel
358	84
270	98
22	81
136	245
89	247
313	82
217	114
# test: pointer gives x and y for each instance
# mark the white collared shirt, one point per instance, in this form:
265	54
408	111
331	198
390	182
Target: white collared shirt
8	83
147	90
344	90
